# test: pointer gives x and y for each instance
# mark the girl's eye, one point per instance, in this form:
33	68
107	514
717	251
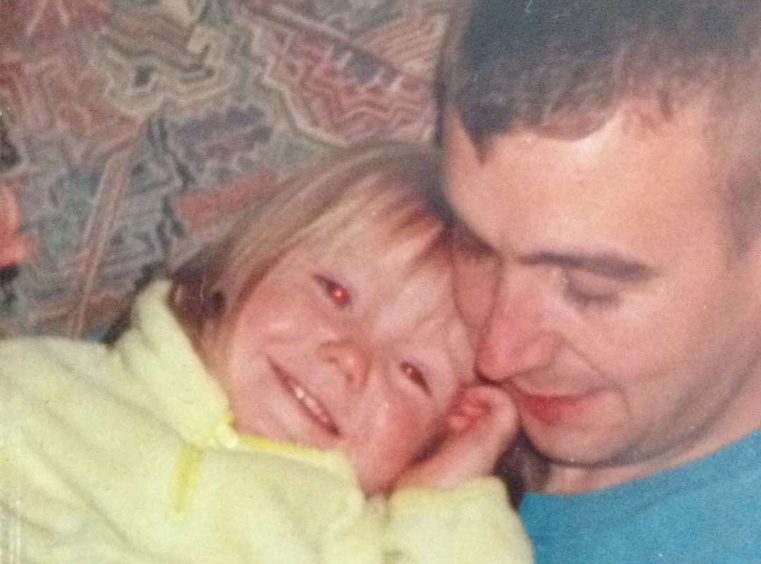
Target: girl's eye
337	294
415	375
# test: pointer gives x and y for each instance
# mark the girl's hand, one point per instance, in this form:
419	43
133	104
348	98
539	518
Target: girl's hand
13	247
481	426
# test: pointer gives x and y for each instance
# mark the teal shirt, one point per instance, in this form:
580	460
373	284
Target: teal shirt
708	511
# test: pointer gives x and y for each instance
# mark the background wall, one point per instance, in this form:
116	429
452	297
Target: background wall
134	130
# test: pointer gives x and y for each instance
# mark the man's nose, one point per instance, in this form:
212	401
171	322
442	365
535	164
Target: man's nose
516	337
349	358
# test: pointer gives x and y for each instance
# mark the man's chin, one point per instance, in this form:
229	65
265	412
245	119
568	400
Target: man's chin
583	450
576	464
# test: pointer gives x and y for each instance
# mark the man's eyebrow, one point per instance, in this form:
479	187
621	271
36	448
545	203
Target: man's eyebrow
610	265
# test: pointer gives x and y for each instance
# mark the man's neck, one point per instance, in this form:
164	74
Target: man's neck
565	478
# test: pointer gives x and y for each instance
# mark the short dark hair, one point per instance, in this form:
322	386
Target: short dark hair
553	64
563	68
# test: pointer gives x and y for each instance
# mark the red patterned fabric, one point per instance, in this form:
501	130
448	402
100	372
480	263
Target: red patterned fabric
135	129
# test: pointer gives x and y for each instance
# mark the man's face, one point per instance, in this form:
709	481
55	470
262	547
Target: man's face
598	282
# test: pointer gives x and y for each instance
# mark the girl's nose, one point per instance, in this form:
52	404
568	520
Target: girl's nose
349	357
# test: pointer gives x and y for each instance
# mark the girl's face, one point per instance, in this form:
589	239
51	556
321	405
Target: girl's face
348	346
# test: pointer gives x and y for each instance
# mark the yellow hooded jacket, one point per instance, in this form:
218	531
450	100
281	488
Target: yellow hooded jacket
126	454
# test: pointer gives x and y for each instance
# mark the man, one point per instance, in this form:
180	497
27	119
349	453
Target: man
604	162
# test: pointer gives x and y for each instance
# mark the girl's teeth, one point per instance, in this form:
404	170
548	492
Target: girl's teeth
312	406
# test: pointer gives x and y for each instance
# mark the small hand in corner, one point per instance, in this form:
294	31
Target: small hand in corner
481	426
14	248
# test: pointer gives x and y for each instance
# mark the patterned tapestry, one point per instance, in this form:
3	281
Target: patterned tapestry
133	131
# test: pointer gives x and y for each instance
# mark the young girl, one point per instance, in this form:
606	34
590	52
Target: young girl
285	399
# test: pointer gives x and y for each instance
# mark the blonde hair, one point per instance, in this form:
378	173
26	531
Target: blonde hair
390	184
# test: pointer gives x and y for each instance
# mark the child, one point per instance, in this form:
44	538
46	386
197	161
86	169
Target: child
269	404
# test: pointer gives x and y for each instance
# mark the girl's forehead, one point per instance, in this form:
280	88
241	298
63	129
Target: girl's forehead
392	261
416	251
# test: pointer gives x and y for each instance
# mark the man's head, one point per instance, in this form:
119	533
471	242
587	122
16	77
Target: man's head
600	159
564	68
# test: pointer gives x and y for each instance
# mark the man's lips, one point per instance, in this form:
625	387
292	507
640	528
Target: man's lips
306	400
555	408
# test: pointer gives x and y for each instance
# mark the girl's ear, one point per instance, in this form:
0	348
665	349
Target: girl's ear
194	300
196	305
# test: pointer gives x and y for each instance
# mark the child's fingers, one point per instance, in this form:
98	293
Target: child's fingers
10	215
458	423
13	247
465	412
486	395
490	401
16	252
465	416
482	423
469	408
485	410
479	398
